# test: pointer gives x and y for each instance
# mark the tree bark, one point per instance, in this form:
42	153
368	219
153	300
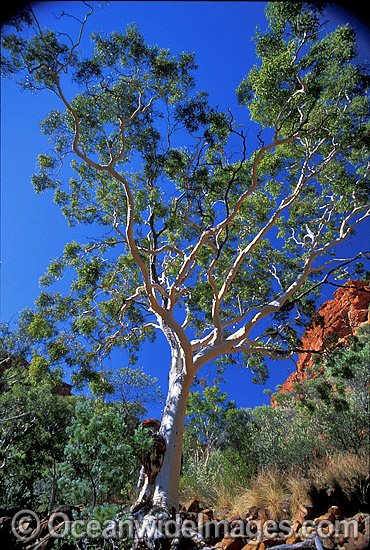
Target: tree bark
158	498
54	486
172	430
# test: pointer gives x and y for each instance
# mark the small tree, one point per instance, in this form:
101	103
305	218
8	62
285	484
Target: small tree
33	421
32	424
133	390
210	416
216	450
283	438
197	242
101	455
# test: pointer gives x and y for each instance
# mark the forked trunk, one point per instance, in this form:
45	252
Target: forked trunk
158	498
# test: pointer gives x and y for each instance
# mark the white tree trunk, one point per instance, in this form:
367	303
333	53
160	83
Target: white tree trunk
159	498
172	429
161	489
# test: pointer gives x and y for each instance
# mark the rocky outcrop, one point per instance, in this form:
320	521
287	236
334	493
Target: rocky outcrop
334	322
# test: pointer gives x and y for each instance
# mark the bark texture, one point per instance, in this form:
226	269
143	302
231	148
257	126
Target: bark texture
159	479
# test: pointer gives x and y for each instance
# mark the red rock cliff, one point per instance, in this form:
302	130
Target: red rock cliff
340	316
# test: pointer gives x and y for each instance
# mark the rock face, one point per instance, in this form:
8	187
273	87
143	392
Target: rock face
341	316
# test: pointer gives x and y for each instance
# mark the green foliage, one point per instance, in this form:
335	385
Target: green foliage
51	452
202	480
324	416
107	533
134	390
209	415
216	446
337	398
282	438
101	454
32	441
32	424
149	148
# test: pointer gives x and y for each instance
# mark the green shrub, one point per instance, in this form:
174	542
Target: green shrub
101	456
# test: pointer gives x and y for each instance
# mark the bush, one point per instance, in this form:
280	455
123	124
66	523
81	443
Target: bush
283	437
105	537
101	456
32	441
319	433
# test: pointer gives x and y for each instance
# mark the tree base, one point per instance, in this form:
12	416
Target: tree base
157	528
150	526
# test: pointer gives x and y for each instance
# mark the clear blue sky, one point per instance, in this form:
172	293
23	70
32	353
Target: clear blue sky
33	230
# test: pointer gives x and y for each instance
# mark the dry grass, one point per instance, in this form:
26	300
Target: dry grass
194	490
299	490
226	496
188	492
346	471
267	491
282	494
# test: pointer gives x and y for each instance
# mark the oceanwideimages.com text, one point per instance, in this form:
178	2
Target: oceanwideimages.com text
26	526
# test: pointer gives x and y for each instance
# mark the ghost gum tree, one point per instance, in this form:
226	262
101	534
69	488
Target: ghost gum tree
221	250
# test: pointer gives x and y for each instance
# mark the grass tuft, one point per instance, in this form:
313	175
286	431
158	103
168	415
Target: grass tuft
267	491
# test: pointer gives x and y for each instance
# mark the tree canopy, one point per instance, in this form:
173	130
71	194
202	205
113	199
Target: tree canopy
196	239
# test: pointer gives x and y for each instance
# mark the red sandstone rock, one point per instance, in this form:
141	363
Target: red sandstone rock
63	389
151	423
263	515
305	513
192	506
229	543
341	316
204	517
358	543
331	515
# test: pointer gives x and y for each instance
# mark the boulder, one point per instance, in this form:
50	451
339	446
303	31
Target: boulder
204	517
192	506
40	537
305	513
360	543
263	515
331	515
236	543
252	513
151	424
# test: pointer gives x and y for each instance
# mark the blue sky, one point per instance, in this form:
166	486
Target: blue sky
33	230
